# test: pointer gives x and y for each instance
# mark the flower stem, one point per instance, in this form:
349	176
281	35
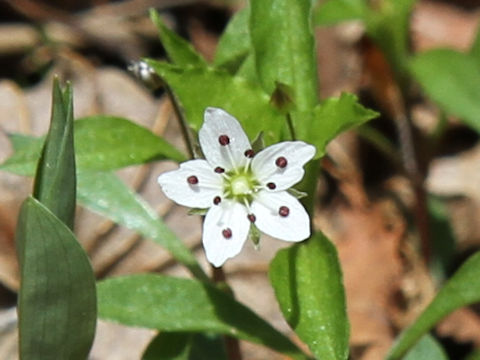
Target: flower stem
291	128
232	346
183	123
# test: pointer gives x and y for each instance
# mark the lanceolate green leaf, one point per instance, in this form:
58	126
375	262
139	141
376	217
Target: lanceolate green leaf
55	181
331	117
284	48
178	50
185	346
451	79
57	306
235	45
198	88
101	143
177	304
332	12
307	280
426	349
105	194
462	289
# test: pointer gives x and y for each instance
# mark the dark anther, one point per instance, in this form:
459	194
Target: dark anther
281	162
219	170
192	180
283	211
227	233
249	153
217	200
271	185
224	140
252	218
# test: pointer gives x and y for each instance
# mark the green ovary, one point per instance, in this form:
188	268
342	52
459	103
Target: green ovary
241	187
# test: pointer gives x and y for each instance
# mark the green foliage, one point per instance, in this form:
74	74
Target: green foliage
178	50
55	176
307	280
101	143
57	300
462	289
331	117
198	88
175	304
235	44
57	305
105	194
475	50
284	48
332	12
426	349
451	79
443	238
185	346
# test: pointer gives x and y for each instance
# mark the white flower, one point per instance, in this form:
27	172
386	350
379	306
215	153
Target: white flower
240	187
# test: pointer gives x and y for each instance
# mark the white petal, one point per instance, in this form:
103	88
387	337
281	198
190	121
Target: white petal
218	122
176	187
294	227
297	153
227	215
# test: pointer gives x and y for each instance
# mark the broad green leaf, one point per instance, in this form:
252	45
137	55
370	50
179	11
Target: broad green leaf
462	289
57	305
234	45
426	349
332	117
20	142
107	143
185	346
196	89
101	143
307	280
105	194
176	304
332	12
284	48
55	181
451	79
178	50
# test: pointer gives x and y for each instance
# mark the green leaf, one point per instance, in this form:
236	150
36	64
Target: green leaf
307	280
234	44
55	181
475	49
105	194
462	289
185	346
176	304
101	143
284	48
443	237
178	50
426	349
451	79
108	142
332	12
332	117
57	305
197	89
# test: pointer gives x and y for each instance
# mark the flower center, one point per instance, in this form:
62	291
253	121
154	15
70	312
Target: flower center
240	186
